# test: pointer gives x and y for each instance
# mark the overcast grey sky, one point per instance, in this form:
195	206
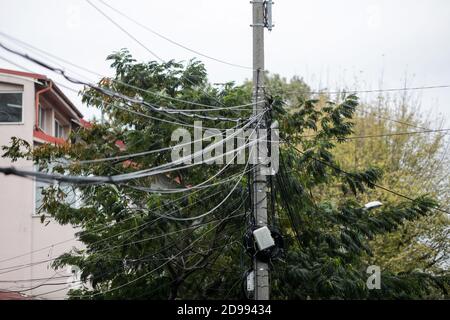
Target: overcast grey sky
334	44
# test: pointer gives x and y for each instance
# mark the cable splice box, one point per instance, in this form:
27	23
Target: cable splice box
263	238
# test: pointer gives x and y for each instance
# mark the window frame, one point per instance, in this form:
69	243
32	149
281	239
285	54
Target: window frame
41	117
57	124
22	108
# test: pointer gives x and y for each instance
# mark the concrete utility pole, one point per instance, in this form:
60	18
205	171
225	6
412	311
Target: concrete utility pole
259	186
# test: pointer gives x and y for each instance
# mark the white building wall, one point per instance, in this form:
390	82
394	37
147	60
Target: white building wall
21	232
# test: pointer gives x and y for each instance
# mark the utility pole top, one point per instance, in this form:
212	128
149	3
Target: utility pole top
267	14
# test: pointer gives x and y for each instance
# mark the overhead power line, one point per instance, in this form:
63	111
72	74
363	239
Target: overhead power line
172	41
349	91
349	174
105	227
160	266
162	96
226	197
154	93
108	226
161	216
22	266
380	135
125	31
167	260
382	90
116	158
394	120
116	235
109	248
115	94
113	105
426	130
164	168
33	280
145	47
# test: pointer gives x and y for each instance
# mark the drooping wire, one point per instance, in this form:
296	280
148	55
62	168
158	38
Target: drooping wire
145	47
154	93
349	174
380	135
62	241
95	230
115	94
23	266
226	197
174	122
172	41
443	86
173	257
164	168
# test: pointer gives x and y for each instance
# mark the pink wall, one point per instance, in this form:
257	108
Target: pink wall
20	231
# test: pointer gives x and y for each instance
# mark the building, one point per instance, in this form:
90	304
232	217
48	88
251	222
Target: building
33	108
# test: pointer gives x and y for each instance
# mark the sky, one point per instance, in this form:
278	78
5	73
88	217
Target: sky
353	44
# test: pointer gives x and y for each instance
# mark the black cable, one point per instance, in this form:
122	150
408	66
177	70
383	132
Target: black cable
282	183
172	41
378	135
349	174
372	91
154	93
146	258
114	94
271	183
140	43
23	266
394	120
123	30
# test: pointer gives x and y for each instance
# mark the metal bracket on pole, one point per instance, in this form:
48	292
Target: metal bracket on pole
268	14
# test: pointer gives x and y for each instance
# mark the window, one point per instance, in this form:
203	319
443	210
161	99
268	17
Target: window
41	120
11	107
59	130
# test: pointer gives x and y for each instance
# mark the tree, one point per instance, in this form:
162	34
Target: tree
133	250
414	162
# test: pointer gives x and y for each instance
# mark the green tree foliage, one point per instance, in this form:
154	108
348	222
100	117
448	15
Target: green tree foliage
413	163
132	251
